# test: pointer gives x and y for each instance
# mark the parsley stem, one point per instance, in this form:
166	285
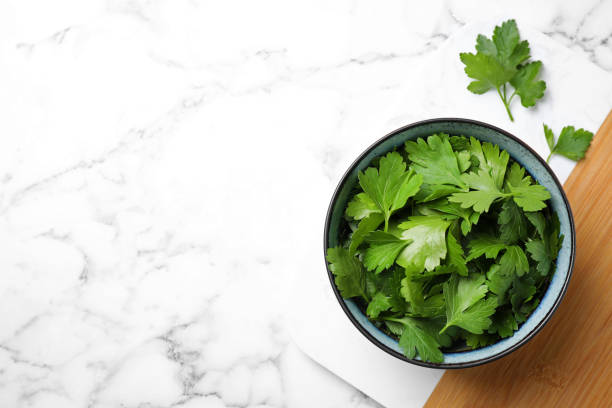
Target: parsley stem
548	158
511	96
505	103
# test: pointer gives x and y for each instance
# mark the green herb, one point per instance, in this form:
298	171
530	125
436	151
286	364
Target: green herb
572	143
388	187
452	244
501	61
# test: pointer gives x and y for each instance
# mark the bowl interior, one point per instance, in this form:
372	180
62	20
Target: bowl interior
538	170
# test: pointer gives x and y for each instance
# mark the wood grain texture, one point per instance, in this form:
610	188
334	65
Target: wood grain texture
569	363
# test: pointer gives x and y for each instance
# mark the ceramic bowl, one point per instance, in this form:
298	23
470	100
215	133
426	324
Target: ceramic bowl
538	169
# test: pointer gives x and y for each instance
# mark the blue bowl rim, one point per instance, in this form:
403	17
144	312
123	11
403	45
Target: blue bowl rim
466	364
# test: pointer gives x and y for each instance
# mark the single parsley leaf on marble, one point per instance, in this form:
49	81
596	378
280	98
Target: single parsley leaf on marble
428	247
550	138
572	143
415	338
502	61
465	303
348	272
435	161
390	186
526	86
384	249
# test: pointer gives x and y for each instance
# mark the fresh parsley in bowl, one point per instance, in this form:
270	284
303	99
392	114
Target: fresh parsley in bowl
449	243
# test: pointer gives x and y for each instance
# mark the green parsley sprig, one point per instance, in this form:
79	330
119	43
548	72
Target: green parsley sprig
572	143
502	61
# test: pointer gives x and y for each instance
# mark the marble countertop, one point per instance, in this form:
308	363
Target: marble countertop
163	169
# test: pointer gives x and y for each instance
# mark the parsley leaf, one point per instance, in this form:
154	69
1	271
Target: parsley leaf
528	196
416	338
525	84
531	197
538	221
391	288
503	323
366	225
539	253
514	259
465	306
378	304
486	70
486	192
512	223
516	176
383	250
348	272
429	192
550	138
544	250
500	61
499	280
413	291
435	161
478	340
485	245
391	185
455	255
361	206
572	143
490	159
486	184
428	246
442	205
521	293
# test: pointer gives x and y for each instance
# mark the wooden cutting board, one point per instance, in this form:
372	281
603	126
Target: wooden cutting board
569	363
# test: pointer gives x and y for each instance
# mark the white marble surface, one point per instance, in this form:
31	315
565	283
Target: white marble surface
164	166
